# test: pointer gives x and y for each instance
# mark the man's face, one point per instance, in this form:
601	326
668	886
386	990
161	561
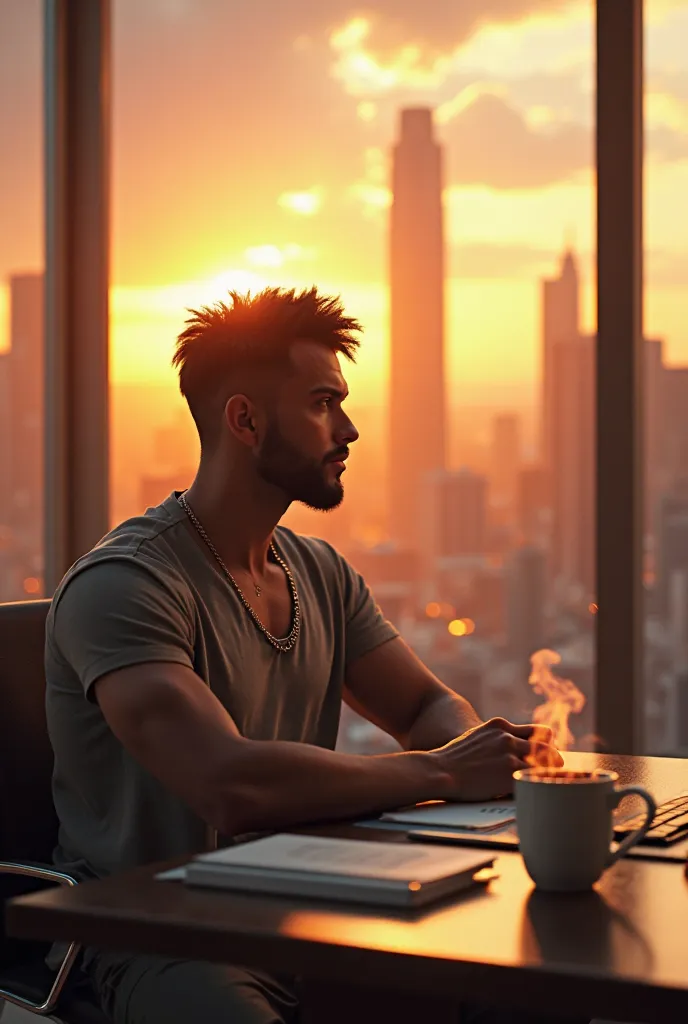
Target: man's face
308	433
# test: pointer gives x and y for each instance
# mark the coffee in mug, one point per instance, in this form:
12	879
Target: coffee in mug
565	825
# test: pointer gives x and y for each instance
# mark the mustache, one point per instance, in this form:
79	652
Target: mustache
337	454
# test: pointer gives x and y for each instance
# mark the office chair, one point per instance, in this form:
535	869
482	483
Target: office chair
28	824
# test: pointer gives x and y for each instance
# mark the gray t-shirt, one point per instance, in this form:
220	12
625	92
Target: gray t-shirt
149	592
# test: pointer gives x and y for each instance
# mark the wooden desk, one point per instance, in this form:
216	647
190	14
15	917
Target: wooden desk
620	951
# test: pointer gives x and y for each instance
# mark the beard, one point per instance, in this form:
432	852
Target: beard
301	477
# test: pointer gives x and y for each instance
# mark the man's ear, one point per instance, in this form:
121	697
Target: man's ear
240	418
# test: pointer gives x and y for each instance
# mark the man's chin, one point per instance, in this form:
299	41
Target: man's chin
324	502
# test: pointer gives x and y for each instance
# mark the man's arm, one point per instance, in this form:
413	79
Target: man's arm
173	725
391	687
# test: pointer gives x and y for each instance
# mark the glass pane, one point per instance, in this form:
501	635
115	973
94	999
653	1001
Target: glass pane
435	169
666	378
21	301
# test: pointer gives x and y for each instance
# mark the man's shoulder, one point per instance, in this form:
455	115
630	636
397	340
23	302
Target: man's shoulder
140	546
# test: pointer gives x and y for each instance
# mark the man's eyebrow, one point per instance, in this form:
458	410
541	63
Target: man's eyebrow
330	389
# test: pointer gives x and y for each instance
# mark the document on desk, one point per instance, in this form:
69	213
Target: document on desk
484	817
364	871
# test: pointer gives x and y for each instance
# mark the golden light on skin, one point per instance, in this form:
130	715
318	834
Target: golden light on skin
306	203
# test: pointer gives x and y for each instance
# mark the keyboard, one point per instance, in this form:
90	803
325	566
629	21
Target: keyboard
669	824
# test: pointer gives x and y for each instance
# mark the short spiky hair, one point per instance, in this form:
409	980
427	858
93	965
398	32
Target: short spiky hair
252	330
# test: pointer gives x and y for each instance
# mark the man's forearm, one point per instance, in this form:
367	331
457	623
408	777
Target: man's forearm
276	784
440	721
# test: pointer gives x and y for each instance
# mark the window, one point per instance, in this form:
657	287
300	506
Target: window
470	494
21	303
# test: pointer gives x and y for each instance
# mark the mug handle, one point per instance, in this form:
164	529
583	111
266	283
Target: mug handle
615	799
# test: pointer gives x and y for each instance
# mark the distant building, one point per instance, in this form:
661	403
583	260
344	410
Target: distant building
25	384
533	505
560	322
655	449
526	578
505	457
678	618
573	463
672	554
417	402
486	602
455	522
5	434
674	426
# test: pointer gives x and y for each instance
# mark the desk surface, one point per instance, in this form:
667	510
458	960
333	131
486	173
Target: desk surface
621	950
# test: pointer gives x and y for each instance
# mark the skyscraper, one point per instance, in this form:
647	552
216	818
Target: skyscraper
417	403
560	322
573	462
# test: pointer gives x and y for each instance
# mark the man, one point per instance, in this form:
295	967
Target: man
197	657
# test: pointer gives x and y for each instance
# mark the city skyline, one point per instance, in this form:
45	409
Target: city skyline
513	92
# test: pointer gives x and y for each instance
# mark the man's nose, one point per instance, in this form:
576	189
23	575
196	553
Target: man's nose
347	433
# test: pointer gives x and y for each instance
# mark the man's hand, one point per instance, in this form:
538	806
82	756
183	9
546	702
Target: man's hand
480	763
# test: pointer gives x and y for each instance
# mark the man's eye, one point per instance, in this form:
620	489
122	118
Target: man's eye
325	402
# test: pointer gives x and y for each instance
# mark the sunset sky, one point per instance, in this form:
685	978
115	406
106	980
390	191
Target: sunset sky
251	145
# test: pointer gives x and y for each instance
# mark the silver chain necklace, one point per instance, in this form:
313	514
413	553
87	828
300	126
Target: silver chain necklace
283	644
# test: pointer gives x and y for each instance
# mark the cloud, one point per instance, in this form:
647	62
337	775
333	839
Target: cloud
435	28
490	143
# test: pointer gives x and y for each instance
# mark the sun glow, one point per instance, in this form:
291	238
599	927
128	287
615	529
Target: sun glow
306	203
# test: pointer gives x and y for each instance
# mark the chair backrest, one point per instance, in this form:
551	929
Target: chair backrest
28	824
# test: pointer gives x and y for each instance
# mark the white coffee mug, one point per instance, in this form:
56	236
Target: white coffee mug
564	821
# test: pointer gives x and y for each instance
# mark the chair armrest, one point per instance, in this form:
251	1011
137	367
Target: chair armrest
47	874
33	869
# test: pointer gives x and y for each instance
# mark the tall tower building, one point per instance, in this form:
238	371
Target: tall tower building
560	322
573	462
417	403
